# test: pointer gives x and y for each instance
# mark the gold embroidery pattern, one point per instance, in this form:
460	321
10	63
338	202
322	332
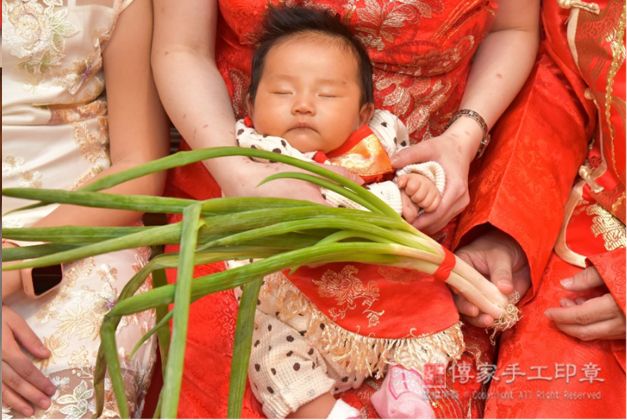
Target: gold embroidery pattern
93	148
610	228
618	58
36	33
61	116
354	351
420	96
89	290
57	346
87	177
617	204
13	166
347	290
386	19
397	275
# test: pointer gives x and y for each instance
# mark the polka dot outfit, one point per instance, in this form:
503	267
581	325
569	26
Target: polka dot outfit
393	136
286	369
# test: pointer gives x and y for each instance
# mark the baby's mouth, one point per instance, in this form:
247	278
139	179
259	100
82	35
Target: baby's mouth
301	126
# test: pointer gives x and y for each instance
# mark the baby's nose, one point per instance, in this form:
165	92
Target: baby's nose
303	104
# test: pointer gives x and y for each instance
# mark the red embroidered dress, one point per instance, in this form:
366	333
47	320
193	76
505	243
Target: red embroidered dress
421	51
574	97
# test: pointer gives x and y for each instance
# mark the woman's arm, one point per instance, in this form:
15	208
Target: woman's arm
198	103
138	126
500	67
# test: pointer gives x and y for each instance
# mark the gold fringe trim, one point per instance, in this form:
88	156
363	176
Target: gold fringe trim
355	352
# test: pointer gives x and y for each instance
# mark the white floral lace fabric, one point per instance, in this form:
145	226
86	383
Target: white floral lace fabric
55	135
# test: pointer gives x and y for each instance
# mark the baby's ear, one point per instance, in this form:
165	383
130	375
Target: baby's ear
366	113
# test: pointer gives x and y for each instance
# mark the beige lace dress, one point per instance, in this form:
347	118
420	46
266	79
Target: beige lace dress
55	135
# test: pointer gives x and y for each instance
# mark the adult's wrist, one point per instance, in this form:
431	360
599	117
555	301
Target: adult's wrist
467	134
231	173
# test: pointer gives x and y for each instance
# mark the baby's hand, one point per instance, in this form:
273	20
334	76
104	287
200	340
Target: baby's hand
422	191
410	210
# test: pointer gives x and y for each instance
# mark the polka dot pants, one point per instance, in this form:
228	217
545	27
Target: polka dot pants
286	370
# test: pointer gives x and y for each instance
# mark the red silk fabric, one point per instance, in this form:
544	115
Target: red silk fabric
421	51
547	129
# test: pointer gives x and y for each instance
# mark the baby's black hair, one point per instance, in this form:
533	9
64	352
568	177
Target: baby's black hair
283	22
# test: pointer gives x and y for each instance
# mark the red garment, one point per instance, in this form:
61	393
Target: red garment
421	52
537	148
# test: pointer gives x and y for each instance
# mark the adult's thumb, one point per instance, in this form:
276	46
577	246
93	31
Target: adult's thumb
417	153
584	280
501	275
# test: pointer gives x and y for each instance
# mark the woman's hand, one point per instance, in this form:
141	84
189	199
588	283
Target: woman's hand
245	180
499	258
454	150
21	380
598	318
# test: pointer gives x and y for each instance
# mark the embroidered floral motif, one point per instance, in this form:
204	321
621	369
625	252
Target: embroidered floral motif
13	166
396	275
77	403
82	181
36	33
68	115
79	322
383	19
93	148
347	290
57	346
11	222
420	95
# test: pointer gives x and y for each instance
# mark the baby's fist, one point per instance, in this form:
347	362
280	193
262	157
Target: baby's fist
421	190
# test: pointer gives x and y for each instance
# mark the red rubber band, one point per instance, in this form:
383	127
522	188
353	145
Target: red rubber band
444	271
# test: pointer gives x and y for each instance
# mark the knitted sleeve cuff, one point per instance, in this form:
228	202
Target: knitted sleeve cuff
431	170
386	191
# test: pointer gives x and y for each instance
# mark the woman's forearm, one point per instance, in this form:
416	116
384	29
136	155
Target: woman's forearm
202	114
190	86
138	126
85	216
500	67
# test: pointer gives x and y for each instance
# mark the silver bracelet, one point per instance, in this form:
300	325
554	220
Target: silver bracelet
479	119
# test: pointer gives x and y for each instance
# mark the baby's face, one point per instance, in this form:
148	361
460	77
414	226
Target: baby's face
309	95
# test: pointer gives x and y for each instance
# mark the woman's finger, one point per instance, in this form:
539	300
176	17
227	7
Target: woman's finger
481	321
24	334
12	379
609	329
587	313
464	307
27	371
12	400
584	280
